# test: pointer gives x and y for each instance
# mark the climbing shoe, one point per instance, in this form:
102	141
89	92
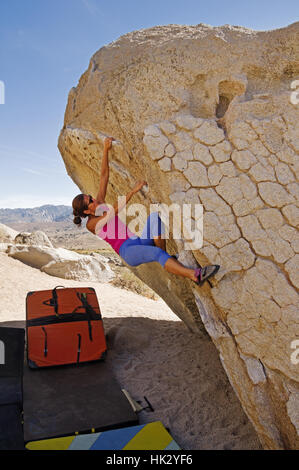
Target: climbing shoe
203	274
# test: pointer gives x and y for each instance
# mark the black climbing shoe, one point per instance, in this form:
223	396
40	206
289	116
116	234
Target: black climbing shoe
203	274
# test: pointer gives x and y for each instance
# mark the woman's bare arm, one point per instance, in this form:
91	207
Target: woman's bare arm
104	170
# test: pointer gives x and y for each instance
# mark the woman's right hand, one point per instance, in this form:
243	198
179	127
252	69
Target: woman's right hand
139	185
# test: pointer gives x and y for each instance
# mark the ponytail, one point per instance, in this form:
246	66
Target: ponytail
77	220
78	209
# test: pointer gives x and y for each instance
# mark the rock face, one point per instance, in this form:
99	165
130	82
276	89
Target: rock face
63	263
7	234
36	250
35	238
207	114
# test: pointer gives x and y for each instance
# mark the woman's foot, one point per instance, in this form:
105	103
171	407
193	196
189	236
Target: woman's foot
199	275
204	273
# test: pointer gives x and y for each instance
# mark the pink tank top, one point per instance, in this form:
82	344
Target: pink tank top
114	232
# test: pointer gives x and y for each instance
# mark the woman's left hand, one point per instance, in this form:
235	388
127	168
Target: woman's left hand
108	143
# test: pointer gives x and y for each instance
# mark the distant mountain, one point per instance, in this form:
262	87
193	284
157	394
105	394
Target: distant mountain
46	213
56	222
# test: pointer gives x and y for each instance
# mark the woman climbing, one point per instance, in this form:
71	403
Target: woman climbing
134	250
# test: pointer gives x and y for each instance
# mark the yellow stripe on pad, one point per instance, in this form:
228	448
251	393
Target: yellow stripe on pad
61	443
153	436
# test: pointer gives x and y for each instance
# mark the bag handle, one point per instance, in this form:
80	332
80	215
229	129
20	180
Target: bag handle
53	302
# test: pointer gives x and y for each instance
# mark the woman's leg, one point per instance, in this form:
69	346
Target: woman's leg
137	251
146	250
175	267
154	230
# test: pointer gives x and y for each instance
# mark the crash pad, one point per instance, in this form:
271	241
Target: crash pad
11	429
12	341
150	436
62	401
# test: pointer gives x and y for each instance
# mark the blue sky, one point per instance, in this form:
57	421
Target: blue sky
45	46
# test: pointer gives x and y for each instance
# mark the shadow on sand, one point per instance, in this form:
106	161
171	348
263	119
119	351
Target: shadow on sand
181	375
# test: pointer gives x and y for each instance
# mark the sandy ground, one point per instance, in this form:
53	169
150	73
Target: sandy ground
152	354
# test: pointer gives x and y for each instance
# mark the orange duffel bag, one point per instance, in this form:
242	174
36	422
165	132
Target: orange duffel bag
64	326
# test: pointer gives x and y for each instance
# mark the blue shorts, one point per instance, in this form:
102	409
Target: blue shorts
140	250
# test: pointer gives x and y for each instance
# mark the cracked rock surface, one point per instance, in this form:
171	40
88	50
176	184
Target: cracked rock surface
204	115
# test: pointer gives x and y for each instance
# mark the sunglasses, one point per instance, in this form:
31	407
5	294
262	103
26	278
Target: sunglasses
91	200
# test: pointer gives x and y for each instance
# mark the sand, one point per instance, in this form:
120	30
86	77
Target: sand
152	354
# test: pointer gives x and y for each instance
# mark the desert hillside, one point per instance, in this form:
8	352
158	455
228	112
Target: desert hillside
56	222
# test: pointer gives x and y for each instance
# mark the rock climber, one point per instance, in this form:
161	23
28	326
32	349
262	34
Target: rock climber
150	247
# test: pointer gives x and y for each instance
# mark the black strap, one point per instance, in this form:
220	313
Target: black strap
88	308
55	299
46	342
79	348
91	314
